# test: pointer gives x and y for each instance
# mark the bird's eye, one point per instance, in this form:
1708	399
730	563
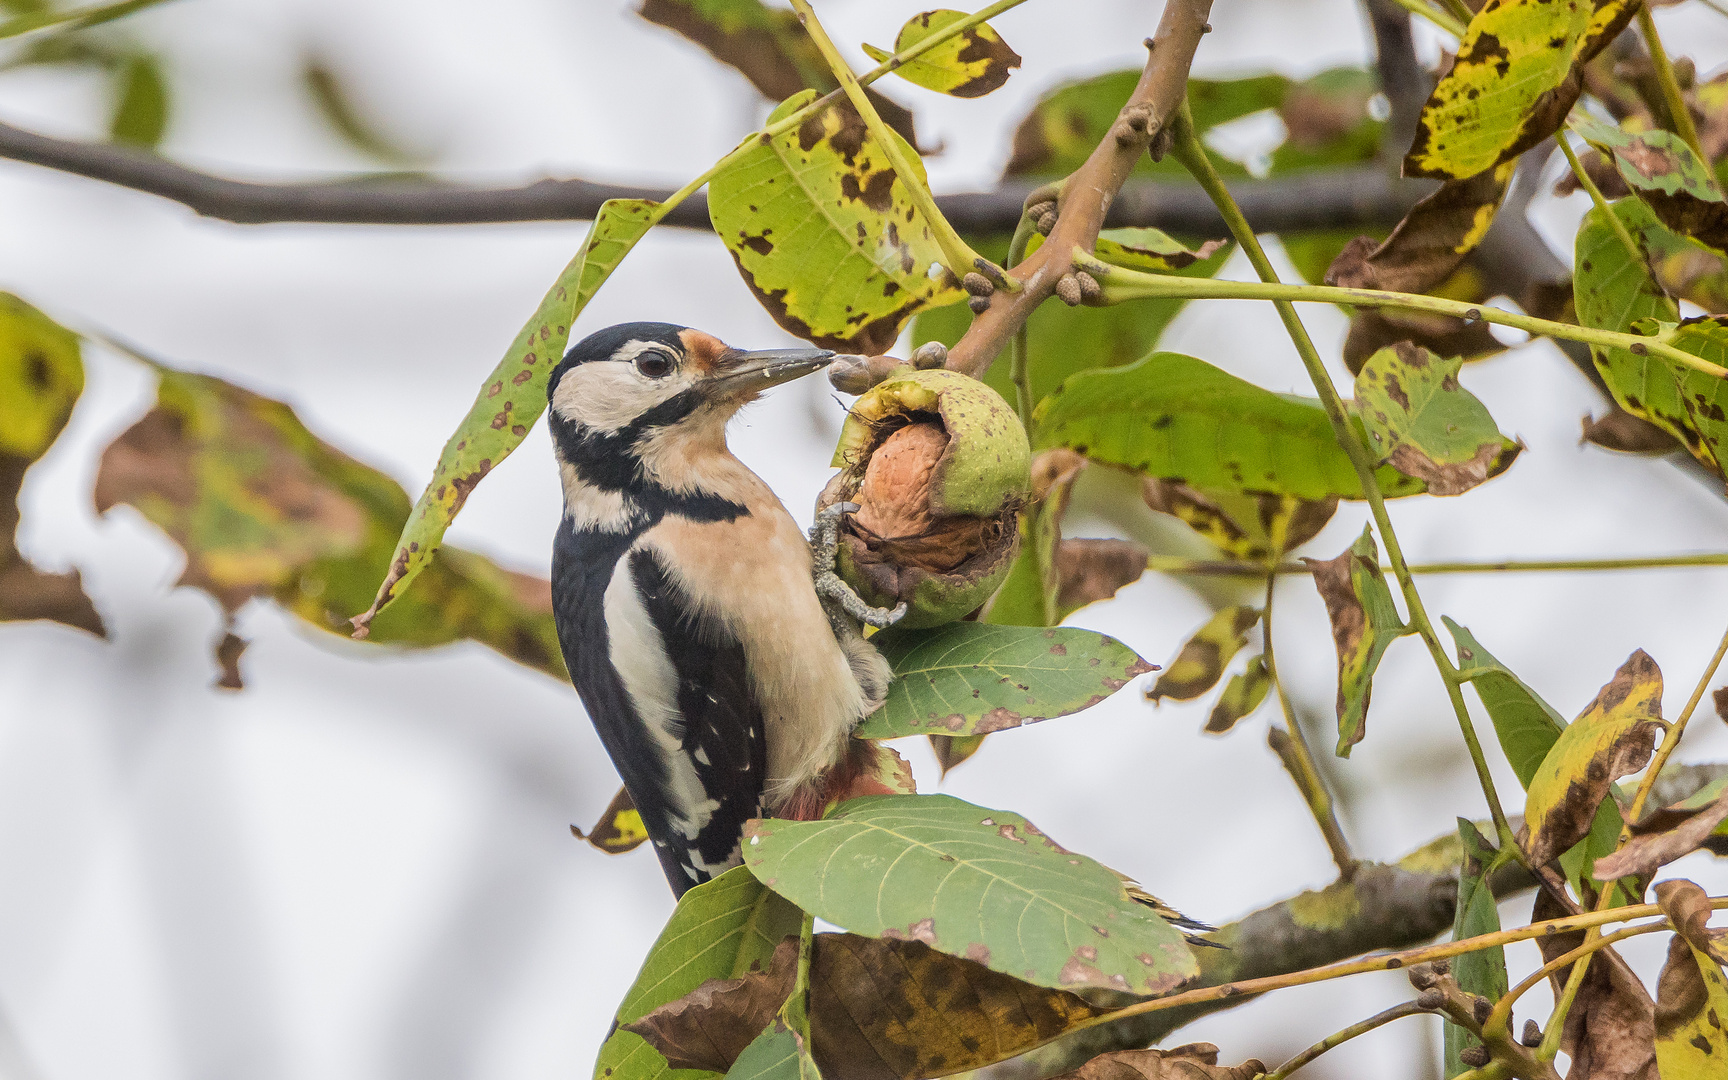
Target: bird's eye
654	364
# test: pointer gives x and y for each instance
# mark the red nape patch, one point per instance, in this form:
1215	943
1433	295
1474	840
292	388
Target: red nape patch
858	775
702	351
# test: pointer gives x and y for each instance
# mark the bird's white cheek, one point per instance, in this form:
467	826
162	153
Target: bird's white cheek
606	396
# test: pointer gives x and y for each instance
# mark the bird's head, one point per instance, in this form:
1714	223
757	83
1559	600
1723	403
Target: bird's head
621	389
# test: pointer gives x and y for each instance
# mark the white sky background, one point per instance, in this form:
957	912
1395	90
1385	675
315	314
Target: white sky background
360	868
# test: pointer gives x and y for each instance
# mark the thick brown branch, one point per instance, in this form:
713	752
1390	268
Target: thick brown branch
1088	192
1362	197
1384	906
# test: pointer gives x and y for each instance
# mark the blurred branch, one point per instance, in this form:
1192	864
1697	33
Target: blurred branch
1403	79
1348	197
1384	906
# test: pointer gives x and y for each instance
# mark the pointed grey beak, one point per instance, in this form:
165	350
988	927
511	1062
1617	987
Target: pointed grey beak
766	367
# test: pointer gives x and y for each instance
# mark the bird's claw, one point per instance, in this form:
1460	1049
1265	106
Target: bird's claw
830	587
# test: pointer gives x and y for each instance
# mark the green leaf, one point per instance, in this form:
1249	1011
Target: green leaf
1666	174
825	235
264	508
1062	340
1482	972
1242	695
41	378
140	114
1176	417
970	64
1614	291
1614	737
75	19
513	396
981	884
1202	660
1147	249
1526	725
1364	622
776	1054
334	97
1328	123
1517	74
722	929
1528	728
1424	424
968	678
1068	123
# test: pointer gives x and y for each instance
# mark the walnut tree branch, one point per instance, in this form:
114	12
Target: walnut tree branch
1360	196
1084	203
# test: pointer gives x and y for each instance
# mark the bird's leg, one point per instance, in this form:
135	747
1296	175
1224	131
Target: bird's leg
838	598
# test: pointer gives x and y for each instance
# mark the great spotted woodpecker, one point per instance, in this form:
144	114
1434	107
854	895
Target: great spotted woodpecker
721	684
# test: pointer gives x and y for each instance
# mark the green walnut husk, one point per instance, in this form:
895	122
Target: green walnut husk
940	468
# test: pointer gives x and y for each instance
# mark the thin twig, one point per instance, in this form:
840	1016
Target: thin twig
1439	18
1188	150
1175	564
1671	738
1339	1038
1680	115
1583	177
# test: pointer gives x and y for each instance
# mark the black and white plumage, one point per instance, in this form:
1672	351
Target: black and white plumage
683	594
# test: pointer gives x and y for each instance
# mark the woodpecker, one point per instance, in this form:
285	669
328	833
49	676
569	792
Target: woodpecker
687	601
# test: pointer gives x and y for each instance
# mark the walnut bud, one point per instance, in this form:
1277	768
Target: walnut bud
978	304
1475	1056
940	468
1047	223
1068	288
931	354
977	284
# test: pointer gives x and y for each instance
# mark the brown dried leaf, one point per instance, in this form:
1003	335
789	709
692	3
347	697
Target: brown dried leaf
1610	1031
1364	623
1090	570
880	1009
1620	430
1250	527
1691	994
1431	241
1195	1061
768	46
953	750
1662	837
1371	331
1688	908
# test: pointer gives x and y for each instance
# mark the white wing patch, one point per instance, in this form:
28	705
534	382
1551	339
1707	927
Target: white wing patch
638	652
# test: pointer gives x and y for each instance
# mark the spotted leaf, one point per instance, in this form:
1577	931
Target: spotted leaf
1176	417
969	678
1691	992
1202	660
1612	738
1364	622
1252	528
1666	174
1614	291
825	234
1241	696
981	884
970	64
1517	74
1484	972
513	396
1424	424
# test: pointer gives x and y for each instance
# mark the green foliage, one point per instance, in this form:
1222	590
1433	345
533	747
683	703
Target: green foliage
1663	171
981	884
1482	973
970	678
824	233
1526	725
1422	423
721	930
513	396
140	114
1615	291
1174	416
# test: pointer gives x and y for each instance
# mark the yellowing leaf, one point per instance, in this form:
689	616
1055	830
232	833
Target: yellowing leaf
41	376
1691	993
970	64
1364	622
825	235
1252	528
1203	658
1426	425
1242	695
264	508
1516	76
1430	243
513	396
619	829
1612	738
